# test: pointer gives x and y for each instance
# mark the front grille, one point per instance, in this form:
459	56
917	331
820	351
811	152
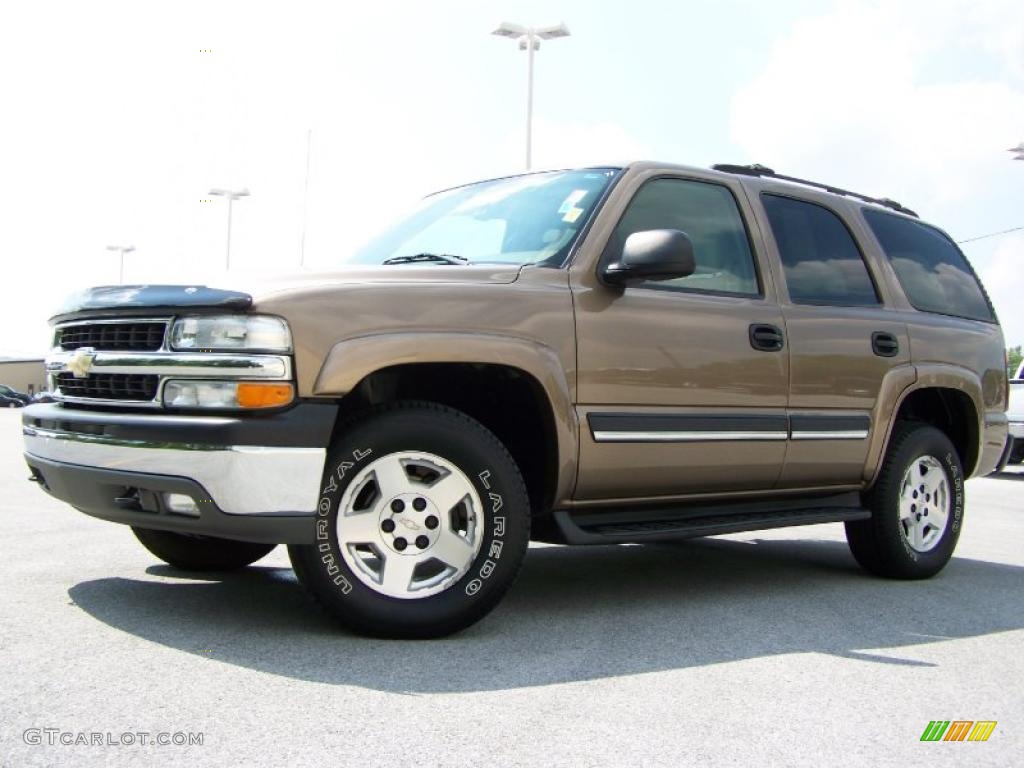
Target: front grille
110	386
142	336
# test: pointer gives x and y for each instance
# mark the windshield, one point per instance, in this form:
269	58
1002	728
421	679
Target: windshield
529	219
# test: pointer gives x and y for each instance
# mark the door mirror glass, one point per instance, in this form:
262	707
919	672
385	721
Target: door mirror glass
654	254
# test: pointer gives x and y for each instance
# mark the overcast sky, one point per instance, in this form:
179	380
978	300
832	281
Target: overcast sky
118	117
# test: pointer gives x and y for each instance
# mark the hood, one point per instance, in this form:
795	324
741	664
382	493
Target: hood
244	289
400	275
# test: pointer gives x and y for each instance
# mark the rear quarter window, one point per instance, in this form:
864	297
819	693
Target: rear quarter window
934	274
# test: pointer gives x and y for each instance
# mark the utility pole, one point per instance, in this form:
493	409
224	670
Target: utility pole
121	249
529	40
305	200
231	195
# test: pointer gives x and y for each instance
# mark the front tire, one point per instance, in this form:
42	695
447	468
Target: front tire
422	525
917	507
200	553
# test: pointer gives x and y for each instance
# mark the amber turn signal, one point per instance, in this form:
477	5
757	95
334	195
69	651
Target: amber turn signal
264	394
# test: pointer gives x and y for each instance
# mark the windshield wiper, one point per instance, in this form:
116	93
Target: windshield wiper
435	258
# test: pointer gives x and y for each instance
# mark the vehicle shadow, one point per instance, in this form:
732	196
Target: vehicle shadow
579	614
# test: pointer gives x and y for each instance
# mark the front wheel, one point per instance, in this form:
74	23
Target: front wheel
917	507
200	553
422	524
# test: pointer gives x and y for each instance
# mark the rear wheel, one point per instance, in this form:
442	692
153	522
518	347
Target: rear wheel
200	553
422	525
917	507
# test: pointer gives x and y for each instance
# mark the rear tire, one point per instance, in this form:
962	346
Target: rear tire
422	525
200	553
917	507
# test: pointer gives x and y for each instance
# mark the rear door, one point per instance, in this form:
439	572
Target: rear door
843	339
675	397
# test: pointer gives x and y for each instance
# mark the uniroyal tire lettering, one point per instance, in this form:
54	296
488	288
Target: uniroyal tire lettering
323	535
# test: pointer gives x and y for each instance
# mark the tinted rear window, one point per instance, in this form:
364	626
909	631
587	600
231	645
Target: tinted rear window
934	274
819	257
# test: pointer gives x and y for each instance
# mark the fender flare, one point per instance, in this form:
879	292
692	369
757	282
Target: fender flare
352	360
898	385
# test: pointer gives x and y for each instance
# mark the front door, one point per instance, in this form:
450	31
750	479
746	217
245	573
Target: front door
682	384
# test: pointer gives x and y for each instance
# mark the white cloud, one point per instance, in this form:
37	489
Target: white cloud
561	144
913	101
1003	276
854	94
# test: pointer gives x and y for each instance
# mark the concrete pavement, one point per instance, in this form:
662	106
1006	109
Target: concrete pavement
767	648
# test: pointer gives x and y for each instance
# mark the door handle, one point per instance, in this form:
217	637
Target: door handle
766	338
884	344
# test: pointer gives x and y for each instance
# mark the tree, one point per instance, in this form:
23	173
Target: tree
1014	355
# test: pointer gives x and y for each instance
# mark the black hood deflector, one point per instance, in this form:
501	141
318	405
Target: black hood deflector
117	297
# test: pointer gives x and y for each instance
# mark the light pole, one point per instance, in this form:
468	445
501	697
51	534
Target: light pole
122	249
529	40
231	195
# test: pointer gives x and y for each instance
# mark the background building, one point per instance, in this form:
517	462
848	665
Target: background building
23	374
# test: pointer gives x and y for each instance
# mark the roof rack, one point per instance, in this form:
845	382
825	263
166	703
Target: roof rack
760	170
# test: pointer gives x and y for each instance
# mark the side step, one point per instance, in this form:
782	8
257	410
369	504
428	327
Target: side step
687	524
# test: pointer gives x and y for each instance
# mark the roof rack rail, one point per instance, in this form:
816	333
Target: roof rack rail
760	170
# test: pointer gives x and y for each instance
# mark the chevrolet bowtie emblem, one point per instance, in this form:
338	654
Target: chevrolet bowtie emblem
80	362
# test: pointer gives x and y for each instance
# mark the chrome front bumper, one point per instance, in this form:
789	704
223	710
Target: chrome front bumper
241	480
225	455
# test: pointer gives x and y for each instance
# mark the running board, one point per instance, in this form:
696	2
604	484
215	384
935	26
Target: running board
590	529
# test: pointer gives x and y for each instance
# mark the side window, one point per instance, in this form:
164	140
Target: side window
706	212
934	274
820	259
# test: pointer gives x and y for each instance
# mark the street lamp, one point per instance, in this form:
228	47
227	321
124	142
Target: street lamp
231	195
1018	151
122	249
529	40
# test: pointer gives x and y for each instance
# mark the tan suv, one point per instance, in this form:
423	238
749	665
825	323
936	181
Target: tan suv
586	356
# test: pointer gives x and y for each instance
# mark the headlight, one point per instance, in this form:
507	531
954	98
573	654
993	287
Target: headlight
189	393
231	332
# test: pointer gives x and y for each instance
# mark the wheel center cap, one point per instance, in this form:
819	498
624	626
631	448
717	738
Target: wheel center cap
409	524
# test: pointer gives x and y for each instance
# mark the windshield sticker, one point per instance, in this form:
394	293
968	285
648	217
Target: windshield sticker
570	202
572	214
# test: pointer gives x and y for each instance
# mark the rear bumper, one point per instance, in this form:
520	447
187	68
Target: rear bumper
240	471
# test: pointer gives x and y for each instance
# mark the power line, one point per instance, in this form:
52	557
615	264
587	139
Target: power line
990	234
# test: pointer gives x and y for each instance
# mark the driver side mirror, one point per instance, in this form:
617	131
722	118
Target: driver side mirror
656	254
